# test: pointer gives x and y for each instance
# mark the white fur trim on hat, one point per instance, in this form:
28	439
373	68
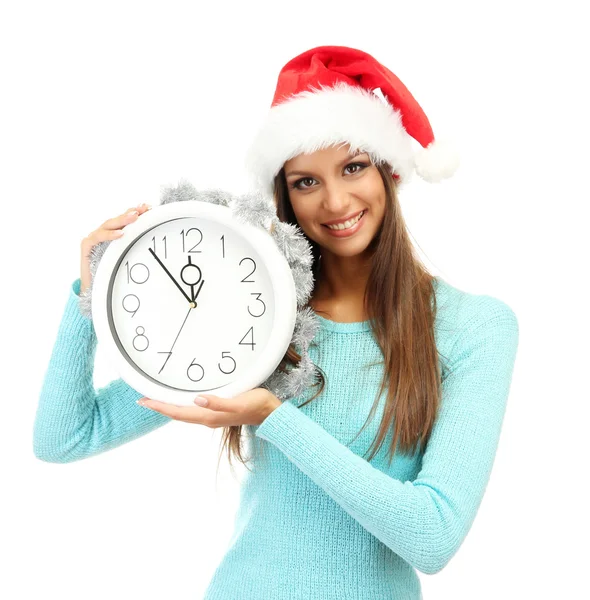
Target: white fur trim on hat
315	119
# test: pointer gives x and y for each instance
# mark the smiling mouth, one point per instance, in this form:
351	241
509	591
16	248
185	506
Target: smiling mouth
348	224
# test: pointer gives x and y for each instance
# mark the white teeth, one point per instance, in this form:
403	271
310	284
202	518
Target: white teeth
347	224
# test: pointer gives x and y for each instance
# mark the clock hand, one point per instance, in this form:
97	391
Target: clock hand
169	353
199	290
191	277
185	318
189	312
169	275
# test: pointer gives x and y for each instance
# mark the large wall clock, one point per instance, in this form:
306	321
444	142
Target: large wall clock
193	299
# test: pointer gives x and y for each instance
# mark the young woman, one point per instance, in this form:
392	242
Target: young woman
379	472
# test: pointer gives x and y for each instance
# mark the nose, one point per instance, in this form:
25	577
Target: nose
336	200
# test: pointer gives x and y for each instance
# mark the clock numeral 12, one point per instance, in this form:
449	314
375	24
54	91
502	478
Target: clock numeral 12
182	235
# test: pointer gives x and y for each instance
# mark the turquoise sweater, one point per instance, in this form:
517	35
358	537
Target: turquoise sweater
316	519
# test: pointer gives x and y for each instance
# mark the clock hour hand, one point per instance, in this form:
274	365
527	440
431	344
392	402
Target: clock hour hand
169	275
199	290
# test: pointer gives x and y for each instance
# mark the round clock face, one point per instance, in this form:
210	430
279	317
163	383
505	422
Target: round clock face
191	303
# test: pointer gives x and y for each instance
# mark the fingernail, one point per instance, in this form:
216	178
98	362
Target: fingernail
140	402
201	401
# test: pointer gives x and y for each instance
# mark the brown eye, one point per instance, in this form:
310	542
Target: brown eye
361	165
297	186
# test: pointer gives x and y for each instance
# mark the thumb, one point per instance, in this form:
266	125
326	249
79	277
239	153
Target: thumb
207	400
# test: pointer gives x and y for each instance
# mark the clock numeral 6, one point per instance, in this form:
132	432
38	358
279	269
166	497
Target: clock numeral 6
192	366
258	294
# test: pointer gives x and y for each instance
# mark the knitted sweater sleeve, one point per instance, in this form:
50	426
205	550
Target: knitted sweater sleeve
74	421
426	520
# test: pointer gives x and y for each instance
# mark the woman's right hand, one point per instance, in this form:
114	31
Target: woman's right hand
109	230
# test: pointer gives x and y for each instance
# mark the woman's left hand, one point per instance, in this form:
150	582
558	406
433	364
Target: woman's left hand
248	408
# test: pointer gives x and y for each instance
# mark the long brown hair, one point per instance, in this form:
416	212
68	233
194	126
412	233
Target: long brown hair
401	305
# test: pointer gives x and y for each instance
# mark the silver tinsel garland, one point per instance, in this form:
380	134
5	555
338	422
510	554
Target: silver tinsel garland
257	209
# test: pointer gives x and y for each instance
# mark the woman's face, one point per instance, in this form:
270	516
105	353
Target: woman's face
330	185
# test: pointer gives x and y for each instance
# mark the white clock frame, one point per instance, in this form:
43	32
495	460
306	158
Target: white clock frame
285	300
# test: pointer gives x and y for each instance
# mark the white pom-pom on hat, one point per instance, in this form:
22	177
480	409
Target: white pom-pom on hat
438	161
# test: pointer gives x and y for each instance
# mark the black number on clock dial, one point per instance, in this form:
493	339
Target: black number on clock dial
192	366
183	234
258	294
142	273
252	343
169	355
128	308
254	269
219	365
140	339
165	246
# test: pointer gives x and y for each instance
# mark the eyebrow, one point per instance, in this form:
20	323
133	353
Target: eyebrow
347	159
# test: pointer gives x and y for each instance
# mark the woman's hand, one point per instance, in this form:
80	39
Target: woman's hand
111	229
249	408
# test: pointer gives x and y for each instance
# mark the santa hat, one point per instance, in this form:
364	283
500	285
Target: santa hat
332	95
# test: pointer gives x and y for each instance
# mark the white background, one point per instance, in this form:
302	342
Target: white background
103	103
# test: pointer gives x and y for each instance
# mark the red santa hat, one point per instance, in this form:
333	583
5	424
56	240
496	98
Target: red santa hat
333	95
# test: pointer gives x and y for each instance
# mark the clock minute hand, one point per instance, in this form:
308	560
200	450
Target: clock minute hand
169	275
